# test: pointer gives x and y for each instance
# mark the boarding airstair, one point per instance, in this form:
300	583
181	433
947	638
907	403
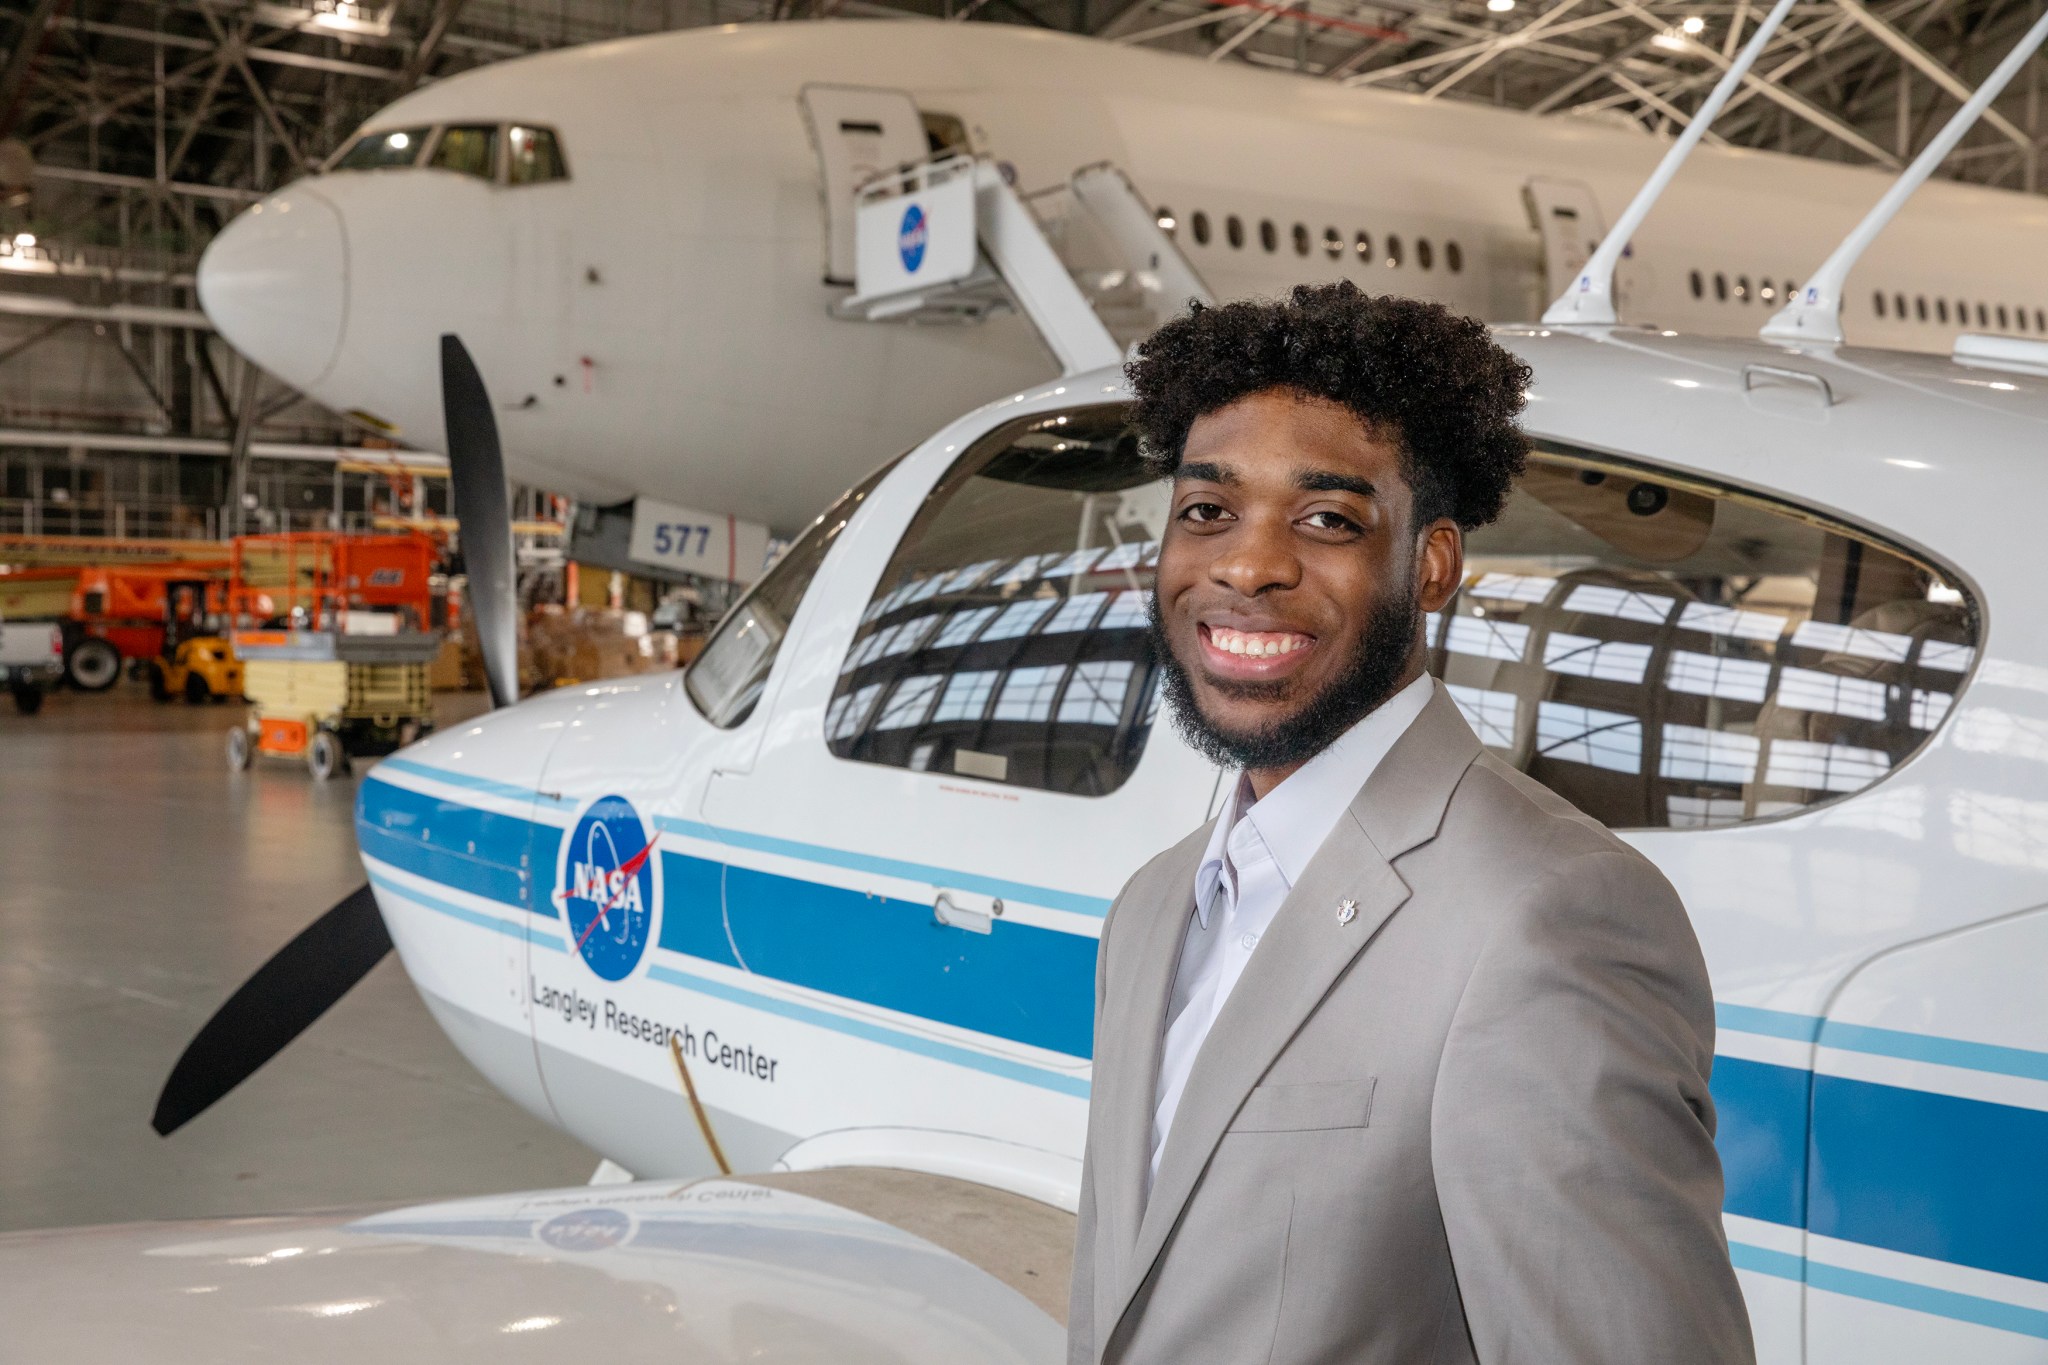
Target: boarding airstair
949	241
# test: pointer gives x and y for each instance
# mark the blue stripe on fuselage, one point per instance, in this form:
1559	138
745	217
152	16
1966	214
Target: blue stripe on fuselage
477	851
1910	1171
1019	981
1762	1138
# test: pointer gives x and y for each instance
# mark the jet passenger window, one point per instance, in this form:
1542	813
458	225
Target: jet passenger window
1669	654
379	151
726	680
536	156
470	149
1007	639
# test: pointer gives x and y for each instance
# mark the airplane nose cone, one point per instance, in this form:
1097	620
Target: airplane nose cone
275	284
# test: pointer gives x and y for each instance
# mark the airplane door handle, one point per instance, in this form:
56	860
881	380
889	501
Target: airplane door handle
975	914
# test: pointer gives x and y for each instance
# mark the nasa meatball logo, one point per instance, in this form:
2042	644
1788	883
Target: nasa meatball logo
608	887
911	238
586	1230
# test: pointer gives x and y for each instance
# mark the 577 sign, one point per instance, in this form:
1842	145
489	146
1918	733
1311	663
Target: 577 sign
704	543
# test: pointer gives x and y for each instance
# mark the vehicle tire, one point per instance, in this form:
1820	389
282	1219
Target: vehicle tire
238	748
159	686
94	665
196	691
28	700
325	757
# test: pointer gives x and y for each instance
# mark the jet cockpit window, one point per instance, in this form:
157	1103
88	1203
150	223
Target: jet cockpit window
1008	638
535	155
471	149
381	151
1668	654
726	680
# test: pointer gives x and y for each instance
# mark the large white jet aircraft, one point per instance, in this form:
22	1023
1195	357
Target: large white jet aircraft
641	241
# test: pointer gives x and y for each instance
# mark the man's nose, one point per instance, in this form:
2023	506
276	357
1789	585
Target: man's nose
1260	558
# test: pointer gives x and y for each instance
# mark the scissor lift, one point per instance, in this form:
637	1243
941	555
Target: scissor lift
335	636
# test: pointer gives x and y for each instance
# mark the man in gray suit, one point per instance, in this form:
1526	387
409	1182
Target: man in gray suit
1403	1059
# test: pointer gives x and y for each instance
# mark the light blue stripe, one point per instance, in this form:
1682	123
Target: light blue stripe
1922	1047
1885	1042
1783	1265
1918	1298
906	1042
889	867
509	928
470	782
1800	1028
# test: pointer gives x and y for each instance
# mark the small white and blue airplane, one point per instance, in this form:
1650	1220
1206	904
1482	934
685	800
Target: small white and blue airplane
830	897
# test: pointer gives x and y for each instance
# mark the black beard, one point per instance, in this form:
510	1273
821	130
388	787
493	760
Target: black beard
1370	677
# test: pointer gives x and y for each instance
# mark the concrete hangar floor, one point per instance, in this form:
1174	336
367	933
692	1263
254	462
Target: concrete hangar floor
140	883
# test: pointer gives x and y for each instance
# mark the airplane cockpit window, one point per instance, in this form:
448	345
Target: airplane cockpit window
471	149
1008	637
536	155
1664	653
384	150
726	680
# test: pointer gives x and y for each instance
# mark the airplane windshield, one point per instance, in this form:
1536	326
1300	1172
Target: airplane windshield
381	151
471	149
535	155
726	680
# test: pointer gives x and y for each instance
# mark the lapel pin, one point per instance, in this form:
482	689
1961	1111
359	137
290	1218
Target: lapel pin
1347	911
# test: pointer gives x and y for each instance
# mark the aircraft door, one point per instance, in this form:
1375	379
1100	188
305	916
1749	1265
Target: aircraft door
959	772
1929	1111
1567	218
859	133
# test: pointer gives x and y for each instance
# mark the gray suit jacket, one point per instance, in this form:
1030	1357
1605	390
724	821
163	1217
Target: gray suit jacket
1471	1124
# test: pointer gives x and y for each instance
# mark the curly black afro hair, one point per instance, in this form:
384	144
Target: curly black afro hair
1414	372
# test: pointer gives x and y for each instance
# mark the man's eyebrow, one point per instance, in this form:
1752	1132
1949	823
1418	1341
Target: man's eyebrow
1330	481
1206	471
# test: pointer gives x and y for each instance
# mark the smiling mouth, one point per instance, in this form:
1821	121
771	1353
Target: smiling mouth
1234	653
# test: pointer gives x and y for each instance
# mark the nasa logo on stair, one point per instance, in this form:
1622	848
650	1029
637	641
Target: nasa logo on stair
912	236
609	880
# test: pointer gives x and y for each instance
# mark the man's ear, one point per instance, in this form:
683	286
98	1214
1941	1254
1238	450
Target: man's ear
1440	563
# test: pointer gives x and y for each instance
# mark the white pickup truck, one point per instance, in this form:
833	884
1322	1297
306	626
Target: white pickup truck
31	661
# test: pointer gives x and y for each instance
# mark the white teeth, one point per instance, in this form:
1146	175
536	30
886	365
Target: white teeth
1238	642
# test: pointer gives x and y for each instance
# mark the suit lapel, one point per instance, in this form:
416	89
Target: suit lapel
1301	957
1150	927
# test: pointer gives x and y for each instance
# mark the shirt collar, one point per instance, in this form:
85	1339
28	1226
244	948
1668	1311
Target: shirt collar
1297	816
1215	859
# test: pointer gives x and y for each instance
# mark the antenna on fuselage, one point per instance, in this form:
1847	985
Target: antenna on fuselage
1589	299
1815	312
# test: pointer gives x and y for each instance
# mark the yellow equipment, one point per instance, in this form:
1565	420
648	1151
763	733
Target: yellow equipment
197	663
200	669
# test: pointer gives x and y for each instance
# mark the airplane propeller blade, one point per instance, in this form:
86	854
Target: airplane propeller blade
476	473
331	954
274	1006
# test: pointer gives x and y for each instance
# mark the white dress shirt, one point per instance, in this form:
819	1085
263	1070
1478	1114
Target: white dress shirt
1257	851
